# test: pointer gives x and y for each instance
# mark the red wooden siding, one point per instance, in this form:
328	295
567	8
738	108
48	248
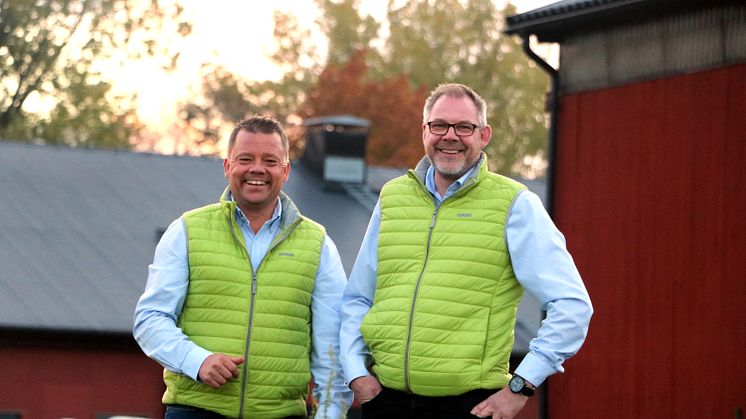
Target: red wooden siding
651	193
75	383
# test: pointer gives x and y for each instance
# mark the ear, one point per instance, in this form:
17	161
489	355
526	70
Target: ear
286	170
485	135
226	167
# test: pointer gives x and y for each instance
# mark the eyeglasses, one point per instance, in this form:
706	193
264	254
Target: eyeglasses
461	129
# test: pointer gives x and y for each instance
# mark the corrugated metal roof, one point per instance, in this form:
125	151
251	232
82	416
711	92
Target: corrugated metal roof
79	228
550	23
562	9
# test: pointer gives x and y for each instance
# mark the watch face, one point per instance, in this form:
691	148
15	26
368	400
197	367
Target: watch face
516	384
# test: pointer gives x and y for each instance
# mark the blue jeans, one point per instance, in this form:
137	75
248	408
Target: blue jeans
390	404
180	411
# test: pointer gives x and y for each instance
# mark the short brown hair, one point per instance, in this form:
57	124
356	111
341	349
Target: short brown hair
259	124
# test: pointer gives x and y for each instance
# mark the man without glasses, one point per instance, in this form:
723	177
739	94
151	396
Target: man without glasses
242	298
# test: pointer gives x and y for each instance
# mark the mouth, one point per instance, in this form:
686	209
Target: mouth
449	151
256	182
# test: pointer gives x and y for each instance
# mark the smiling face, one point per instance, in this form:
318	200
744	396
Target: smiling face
256	168
454	155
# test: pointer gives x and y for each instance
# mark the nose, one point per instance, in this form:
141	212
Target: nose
450	134
256	167
451	128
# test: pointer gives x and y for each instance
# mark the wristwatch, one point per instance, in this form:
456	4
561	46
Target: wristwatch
520	386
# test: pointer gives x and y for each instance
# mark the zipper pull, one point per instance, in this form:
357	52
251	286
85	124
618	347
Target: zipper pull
253	284
432	222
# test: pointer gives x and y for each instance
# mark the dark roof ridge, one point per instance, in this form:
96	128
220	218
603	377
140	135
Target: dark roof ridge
562	10
99	150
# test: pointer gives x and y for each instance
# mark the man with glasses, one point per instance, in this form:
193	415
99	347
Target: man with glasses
242	298
429	310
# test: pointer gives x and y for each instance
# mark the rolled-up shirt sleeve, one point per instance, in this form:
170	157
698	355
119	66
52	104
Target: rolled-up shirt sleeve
357	301
333	396
160	305
546	270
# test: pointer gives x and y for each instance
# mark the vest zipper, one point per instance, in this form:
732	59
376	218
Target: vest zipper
248	341
414	300
465	187
274	244
251	321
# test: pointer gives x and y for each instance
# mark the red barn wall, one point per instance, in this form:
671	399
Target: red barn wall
75	382
60	382
650	190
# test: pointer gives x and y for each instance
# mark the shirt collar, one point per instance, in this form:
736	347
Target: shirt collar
242	219
455	186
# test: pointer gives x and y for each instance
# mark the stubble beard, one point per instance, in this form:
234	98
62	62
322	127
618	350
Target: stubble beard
452	172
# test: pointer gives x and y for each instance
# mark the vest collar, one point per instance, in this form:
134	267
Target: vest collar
288	216
420	171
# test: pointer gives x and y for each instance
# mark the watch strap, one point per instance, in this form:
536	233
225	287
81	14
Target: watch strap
526	388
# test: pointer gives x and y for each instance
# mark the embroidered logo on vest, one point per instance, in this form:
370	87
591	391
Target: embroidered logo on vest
463	215
287	254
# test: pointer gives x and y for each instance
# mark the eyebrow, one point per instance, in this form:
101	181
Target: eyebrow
459	122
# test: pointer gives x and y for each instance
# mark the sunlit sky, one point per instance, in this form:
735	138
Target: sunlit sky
236	34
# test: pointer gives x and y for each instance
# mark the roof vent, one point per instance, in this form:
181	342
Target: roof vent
335	148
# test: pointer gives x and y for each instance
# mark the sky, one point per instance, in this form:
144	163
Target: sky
238	35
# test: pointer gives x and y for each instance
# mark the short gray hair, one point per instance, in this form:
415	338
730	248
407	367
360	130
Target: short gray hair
455	90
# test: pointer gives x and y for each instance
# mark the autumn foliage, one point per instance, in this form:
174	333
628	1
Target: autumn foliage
392	105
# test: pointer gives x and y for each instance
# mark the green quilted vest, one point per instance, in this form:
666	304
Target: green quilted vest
266	318
446	296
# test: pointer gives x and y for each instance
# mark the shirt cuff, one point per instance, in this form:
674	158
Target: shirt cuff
354	367
534	369
193	360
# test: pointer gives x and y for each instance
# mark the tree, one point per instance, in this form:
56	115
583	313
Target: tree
346	31
48	52
431	42
391	105
296	55
226	98
461	41
385	80
84	116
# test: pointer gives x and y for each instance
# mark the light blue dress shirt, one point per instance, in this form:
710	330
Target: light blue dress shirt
541	264
159	307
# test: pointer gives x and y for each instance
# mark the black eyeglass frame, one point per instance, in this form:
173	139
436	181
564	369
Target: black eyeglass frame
455	127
